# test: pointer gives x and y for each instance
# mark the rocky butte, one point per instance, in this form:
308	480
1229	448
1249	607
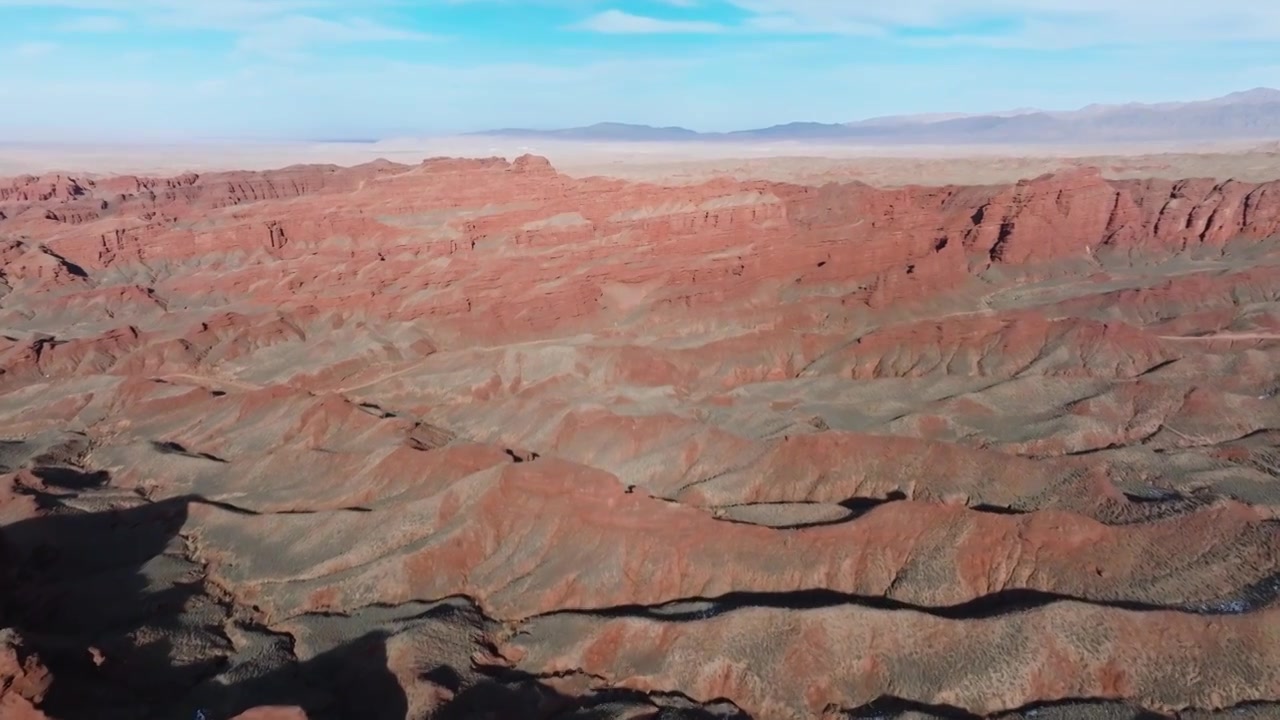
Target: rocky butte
474	438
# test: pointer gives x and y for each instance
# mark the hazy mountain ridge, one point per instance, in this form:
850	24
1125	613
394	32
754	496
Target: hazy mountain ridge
1250	114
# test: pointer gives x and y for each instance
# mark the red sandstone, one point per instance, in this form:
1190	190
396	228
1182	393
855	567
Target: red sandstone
395	439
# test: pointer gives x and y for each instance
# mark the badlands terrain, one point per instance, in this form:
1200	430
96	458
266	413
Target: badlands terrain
479	438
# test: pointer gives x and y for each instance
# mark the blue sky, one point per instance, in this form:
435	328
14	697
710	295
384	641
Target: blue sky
182	69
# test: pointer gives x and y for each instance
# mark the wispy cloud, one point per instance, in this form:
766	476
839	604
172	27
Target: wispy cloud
1024	22
1020	24
92	24
617	22
370	67
782	24
259	24
34	49
222	10
291	33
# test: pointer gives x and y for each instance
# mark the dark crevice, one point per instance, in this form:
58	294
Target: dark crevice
1261	432
70	267
1261	594
890	706
429	607
897	707
1081	707
997	509
376	410
70	478
1084	452
1149	494
168	447
1005	602
1157	367
520	456
863	505
353	508
857	507
229	507
996	254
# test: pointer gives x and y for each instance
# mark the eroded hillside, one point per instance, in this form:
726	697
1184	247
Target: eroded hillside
477	439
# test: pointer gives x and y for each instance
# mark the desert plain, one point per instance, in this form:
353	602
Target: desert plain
592	431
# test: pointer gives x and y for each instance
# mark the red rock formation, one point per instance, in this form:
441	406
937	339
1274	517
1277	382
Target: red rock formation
23	681
723	239
854	656
473	436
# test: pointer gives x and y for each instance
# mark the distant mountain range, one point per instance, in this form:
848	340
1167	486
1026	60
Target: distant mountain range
1252	114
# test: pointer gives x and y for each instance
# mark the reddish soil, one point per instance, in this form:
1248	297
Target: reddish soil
473	438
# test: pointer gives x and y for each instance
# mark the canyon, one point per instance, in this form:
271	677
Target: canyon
469	438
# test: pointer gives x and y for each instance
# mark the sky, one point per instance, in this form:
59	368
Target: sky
90	70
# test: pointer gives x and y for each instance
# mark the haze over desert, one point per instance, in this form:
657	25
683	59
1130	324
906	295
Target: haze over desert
932	413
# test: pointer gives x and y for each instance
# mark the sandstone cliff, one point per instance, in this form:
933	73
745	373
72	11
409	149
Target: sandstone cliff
473	436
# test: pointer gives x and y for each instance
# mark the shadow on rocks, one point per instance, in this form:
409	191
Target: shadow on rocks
504	693
122	618
125	622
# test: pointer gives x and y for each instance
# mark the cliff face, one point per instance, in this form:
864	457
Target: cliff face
484	237
474	436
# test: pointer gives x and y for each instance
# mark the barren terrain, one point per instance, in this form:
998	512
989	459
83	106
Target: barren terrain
469	438
682	163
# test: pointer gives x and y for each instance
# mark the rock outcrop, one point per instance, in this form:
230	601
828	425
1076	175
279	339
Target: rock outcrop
473	438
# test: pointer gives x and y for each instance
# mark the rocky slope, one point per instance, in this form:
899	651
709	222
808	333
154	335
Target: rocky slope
472	438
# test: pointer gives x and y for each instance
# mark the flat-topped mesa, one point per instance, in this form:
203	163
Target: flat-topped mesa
529	163
442	163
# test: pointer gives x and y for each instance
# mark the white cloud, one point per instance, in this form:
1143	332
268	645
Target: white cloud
290	33
618	22
782	24
260	24
338	96
1065	22
34	49
349	95
221	9
1015	23
798	61
93	24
